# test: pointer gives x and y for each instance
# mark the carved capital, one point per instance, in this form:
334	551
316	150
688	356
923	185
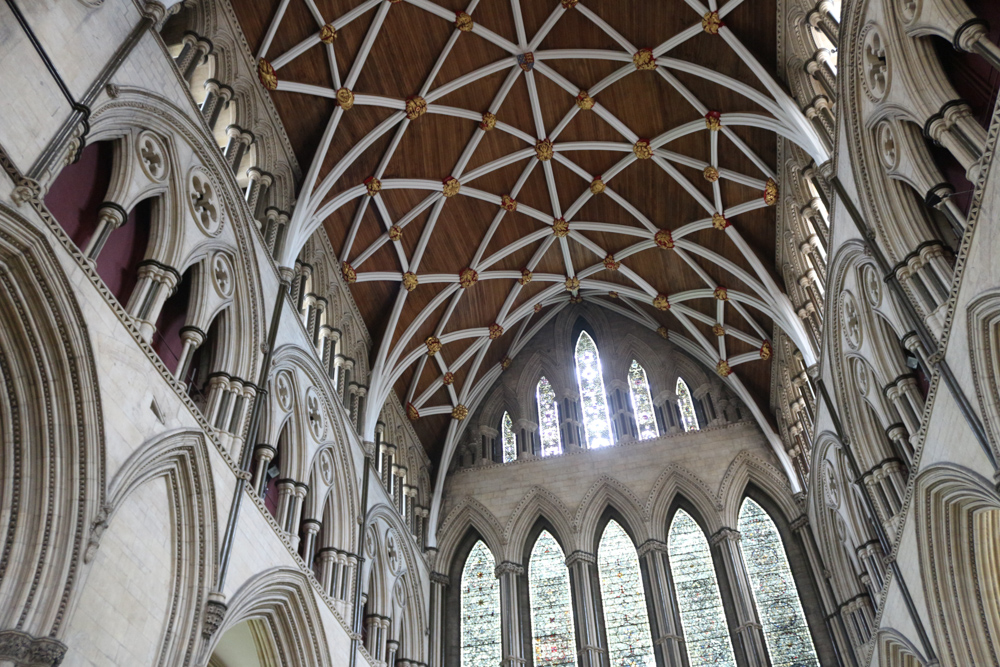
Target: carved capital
580	557
21	648
215	612
724	534
507	567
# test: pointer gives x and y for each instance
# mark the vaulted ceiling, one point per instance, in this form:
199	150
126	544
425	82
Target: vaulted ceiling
574	90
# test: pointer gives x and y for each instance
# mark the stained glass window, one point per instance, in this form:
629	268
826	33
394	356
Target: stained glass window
686	405
508	440
548	418
642	402
785	629
629	641
706	634
590	379
552	632
480	610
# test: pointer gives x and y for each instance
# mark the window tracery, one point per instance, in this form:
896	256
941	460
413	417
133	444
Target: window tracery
507	438
548	419
629	641
686	406
590	379
553	638
788	640
642	402
481	642
706	634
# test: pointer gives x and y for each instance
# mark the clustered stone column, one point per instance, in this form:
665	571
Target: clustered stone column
436	622
665	622
155	285
512	641
584	587
748	635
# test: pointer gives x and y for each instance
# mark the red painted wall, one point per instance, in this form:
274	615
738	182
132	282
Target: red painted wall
75	199
79	190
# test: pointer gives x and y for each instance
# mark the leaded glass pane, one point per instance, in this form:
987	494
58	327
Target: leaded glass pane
706	635
590	379
480	610
686	405
551	610
629	641
642	402
507	438
785	629
548	419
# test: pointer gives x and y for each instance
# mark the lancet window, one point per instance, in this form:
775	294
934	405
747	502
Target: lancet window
548	418
590	379
642	402
553	639
706	634
686	406
480	610
625	619
508	440
788	640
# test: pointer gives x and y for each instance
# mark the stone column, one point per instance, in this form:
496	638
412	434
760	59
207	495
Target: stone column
327	557
585	588
748	635
822	19
523	430
217	96
192	338
286	495
110	217
239	142
193	52
439	585
257	184
665	621
391	646
155	285
264	454
510	614
311	528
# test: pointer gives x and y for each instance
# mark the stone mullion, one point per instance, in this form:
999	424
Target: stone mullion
585	587
747	633
512	641
665	620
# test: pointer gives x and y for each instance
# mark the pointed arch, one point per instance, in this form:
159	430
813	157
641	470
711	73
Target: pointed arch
593	398
685	404
508	440
468	515
677	483
538	506
706	633
778	605
550	442
642	402
609	495
958	537
553	636
894	650
626	621
284	600
480	609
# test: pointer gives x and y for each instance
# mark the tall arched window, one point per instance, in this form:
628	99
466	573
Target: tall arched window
630	643
552	634
548	418
785	629
642	402
686	406
590	379
706	634
507	438
480	610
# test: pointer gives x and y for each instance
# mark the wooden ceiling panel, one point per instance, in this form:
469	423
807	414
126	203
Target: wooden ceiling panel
399	64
